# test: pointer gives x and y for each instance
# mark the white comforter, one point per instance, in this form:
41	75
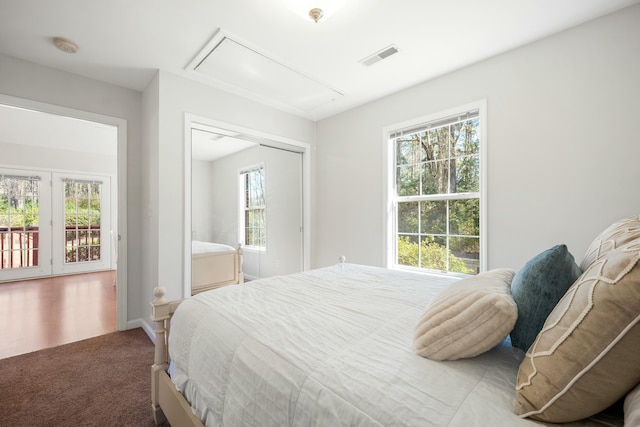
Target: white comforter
330	347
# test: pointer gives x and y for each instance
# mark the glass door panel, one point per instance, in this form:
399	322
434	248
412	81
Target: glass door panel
25	216
81	220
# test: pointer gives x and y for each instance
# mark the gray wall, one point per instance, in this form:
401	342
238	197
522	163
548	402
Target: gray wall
563	146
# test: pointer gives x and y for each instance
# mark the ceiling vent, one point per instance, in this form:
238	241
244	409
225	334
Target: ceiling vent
379	56
238	67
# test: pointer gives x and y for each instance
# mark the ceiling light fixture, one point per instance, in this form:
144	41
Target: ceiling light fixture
65	45
315	14
314	10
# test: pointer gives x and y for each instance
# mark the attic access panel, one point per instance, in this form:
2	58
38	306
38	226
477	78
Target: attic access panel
230	62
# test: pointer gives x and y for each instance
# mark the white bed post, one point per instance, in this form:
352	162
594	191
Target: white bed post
160	313
240	273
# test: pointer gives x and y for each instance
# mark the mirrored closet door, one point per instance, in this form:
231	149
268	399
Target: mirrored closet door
249	194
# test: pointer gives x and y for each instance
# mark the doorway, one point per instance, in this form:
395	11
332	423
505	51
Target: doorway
72	158
53	223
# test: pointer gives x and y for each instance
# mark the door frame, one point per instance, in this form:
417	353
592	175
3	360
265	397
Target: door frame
277	141
121	125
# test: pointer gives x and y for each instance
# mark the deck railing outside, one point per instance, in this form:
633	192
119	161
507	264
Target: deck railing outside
20	248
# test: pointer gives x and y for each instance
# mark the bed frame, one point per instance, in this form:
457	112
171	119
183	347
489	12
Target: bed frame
167	403
214	269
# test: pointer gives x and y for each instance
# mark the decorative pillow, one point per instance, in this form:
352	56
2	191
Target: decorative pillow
586	356
468	318
616	235
537	288
632	408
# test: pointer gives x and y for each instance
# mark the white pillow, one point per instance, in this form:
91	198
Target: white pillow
632	407
468	318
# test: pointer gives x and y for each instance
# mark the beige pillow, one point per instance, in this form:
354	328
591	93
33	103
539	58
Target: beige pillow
468	318
617	234
632	408
585	357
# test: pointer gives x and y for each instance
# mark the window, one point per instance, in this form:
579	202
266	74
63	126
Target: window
436	194
253	207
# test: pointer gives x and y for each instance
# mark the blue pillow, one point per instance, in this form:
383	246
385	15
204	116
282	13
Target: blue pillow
537	288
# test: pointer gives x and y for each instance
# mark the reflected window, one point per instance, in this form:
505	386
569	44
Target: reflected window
252	194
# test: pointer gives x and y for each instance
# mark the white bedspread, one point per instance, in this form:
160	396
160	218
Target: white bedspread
330	347
198	247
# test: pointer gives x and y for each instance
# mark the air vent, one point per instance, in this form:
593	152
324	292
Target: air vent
379	56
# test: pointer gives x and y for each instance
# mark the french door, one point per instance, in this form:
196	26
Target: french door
53	223
25	225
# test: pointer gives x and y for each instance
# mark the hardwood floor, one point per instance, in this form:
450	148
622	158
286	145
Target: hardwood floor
42	313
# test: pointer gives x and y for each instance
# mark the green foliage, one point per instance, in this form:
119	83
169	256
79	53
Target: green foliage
430	255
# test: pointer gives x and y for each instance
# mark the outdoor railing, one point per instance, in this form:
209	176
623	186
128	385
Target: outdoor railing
20	248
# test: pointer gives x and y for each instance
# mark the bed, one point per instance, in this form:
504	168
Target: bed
326	347
214	265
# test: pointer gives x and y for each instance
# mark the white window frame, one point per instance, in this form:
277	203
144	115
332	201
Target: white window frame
241	208
389	182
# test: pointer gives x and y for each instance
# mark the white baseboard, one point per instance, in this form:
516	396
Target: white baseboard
146	327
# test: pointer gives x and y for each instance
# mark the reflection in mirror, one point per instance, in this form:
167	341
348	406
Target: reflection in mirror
243	194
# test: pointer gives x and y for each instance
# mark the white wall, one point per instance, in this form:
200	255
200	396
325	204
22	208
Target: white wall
30	156
563	146
27	80
202	195
178	96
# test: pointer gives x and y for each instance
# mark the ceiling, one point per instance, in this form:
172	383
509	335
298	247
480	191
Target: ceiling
124	42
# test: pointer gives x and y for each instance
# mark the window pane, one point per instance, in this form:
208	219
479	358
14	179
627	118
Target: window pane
4	220
18	221
465	254
71	255
408	180
408	217
467	173
464	217
408	150
435	177
433	217
438	138
467	137
408	251
433	253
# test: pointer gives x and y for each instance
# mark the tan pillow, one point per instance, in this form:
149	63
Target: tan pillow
586	356
468	318
617	234
632	408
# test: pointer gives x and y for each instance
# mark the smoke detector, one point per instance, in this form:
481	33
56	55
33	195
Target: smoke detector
65	45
